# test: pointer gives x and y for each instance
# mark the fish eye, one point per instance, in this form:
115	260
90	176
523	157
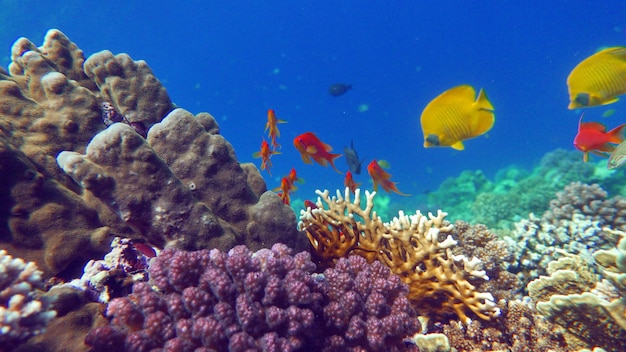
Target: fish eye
582	99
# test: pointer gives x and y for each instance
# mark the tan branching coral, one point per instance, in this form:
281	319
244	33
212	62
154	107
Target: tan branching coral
413	246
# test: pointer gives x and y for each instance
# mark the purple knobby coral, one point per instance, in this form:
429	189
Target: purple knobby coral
264	301
366	307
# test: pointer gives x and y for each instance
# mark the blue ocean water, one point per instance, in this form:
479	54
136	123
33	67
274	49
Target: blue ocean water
236	59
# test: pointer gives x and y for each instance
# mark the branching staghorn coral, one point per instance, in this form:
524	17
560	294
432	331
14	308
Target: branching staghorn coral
411	245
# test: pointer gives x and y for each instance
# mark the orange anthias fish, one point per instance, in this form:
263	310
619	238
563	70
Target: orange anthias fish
285	189
311	147
293	178
265	153
350	183
272	126
593	138
382	177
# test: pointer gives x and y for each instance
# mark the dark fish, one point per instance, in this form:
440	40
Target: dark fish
338	89
352	159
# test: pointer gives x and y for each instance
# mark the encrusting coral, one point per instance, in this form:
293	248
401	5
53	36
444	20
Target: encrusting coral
517	329
413	247
263	301
593	311
574	224
193	195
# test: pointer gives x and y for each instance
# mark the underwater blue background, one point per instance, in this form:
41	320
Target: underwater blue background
236	59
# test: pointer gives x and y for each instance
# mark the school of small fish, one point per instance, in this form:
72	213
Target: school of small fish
459	114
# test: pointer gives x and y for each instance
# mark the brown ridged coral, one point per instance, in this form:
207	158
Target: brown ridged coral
418	248
181	185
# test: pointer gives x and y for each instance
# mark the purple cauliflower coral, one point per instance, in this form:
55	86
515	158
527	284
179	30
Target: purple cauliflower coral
366	308
264	301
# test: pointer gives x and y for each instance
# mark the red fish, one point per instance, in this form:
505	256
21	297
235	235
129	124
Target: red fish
309	204
382	177
311	147
593	138
350	183
145	249
265	153
272	126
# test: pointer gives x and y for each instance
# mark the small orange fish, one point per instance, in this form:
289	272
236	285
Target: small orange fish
382	177
265	153
350	183
285	190
311	147
272	126
293	178
592	137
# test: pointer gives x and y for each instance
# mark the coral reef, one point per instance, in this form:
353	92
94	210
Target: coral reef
499	203
517	329
574	224
269	301
133	179
418	248
23	311
593	311
494	255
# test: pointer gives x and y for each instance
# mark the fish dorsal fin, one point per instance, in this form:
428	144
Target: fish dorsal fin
594	126
464	92
617	52
482	101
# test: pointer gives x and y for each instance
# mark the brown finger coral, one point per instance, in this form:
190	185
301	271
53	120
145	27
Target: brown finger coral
416	247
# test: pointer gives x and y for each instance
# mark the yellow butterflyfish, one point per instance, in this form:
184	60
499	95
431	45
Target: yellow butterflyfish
456	115
598	79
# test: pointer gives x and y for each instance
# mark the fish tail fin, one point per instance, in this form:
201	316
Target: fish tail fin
393	187
618	134
331	160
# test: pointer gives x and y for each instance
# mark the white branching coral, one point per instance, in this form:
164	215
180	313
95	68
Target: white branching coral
22	313
416	247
